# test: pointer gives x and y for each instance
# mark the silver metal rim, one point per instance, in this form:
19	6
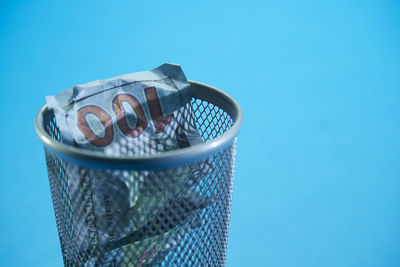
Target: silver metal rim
158	161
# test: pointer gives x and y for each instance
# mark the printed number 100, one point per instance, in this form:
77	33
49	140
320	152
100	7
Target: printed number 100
159	120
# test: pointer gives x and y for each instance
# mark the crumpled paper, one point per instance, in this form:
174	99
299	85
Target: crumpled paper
135	114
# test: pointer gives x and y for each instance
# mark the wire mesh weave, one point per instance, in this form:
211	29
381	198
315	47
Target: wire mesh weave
171	217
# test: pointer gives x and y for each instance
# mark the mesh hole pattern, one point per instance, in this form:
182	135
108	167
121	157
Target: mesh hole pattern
172	217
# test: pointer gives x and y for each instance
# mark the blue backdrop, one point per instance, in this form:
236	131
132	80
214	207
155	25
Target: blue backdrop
318	160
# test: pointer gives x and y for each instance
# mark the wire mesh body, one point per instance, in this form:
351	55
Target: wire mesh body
175	216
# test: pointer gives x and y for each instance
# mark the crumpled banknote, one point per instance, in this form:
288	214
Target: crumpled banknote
118	212
136	108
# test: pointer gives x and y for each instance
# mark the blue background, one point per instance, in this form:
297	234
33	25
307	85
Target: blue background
318	160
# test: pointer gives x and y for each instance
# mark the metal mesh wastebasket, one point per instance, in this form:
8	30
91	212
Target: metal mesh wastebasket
154	209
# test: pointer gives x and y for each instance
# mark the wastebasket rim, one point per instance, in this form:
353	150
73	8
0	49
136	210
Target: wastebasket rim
160	160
